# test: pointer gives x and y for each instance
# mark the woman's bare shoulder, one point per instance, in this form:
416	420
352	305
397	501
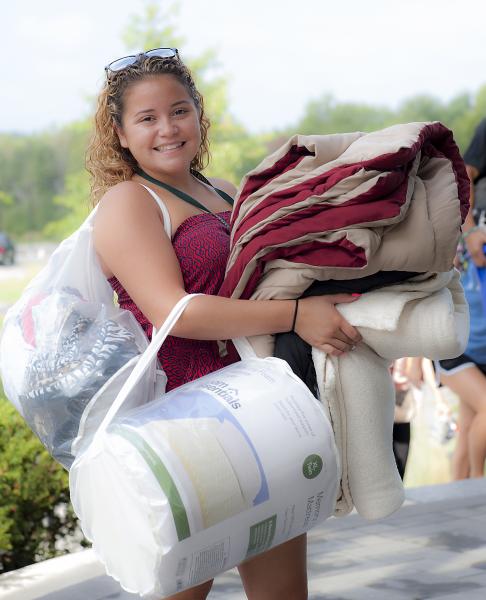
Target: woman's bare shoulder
125	209
225	185
123	189
125	197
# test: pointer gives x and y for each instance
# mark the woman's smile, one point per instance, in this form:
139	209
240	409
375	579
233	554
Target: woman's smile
165	148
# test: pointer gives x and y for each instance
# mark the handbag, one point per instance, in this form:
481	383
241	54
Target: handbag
212	473
66	349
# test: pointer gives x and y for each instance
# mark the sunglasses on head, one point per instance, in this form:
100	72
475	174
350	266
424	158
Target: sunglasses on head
122	63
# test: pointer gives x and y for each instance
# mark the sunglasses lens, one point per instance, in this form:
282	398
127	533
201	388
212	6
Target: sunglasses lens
161	52
122	63
126	61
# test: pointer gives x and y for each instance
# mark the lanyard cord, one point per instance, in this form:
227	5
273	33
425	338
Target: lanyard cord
183	196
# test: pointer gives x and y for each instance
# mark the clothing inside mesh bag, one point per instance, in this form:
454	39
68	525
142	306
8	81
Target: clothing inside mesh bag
298	353
61	382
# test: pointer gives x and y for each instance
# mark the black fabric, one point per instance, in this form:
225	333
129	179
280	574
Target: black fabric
401	445
475	156
357	286
450	364
298	353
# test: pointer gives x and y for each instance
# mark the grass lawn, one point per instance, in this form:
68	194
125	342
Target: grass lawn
11	287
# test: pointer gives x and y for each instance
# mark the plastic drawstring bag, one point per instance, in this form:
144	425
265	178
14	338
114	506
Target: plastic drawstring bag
174	492
66	349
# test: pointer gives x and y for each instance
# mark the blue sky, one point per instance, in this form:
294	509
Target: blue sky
277	54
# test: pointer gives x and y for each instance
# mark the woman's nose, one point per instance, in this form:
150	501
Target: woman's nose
167	127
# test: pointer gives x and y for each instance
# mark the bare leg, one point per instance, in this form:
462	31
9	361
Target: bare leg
470	385
200	592
280	573
477	444
460	459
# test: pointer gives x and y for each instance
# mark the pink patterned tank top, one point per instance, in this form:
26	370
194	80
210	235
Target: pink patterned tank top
201	244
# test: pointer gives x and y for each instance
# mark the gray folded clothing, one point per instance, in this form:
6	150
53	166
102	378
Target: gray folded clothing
61	384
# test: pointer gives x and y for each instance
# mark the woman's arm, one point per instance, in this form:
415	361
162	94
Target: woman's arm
130	239
477	237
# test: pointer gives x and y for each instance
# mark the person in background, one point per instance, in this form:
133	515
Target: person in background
406	372
466	374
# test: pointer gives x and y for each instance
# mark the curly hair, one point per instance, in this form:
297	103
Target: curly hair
107	161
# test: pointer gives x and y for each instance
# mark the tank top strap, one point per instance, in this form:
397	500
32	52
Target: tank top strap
163	210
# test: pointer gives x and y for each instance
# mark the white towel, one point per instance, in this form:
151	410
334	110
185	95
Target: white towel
426	316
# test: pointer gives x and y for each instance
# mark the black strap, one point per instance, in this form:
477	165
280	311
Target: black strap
182	195
222	193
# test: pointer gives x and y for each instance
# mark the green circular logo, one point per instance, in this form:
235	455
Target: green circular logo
312	466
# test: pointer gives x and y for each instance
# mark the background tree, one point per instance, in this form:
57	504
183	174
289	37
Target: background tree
75	202
326	115
5	200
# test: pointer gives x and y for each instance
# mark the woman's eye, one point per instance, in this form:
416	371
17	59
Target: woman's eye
148	118
180	111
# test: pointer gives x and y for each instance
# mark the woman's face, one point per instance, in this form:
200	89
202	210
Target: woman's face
160	125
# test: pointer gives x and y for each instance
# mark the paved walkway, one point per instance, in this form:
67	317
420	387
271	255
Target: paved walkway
432	548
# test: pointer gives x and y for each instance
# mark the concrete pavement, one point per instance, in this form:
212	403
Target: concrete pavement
434	547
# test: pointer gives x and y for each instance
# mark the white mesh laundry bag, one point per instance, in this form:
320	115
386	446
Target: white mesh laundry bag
66	348
174	492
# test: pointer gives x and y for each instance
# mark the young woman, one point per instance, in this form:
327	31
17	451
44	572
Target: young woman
151	132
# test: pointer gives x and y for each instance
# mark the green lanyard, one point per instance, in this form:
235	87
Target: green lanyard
189	199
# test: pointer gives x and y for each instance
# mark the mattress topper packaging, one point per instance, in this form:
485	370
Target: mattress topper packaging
209	475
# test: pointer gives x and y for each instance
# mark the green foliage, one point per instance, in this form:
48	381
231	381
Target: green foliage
33	487
154	28
326	115
461	114
33	169
232	158
5	200
75	202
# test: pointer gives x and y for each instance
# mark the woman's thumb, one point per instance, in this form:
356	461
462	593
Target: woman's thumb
341	298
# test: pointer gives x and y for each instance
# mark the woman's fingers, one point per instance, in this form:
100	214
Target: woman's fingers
321	325
340	345
351	332
342	298
341	335
336	347
328	349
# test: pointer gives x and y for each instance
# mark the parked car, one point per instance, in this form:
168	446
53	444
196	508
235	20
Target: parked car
7	250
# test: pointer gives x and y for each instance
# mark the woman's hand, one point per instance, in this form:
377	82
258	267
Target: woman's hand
474	243
322	326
